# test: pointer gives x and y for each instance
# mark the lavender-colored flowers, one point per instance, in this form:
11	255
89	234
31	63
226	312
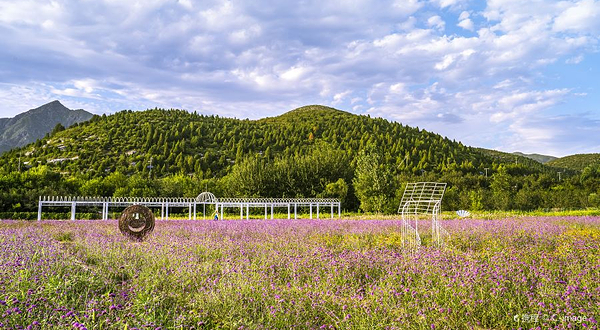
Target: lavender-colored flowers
509	273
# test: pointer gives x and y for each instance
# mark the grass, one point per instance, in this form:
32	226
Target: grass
305	274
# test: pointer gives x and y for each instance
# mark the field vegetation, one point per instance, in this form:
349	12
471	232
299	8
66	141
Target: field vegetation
526	272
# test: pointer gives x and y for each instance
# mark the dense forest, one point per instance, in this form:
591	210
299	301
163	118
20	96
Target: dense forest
576	162
312	151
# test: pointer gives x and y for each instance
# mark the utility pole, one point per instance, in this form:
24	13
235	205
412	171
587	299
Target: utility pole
404	160
150	167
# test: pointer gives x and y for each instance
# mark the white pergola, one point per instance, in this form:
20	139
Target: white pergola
316	204
167	203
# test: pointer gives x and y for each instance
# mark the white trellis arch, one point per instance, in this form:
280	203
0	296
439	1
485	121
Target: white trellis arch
206	198
422	200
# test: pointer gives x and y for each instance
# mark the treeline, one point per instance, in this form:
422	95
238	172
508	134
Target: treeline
309	152
364	183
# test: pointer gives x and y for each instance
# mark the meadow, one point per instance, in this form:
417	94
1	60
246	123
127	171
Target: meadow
510	273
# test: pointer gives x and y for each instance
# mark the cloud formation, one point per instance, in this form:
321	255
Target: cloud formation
483	75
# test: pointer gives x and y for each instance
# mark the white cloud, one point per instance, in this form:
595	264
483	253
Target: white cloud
30	12
436	22
466	24
574	60
295	73
186	4
446	3
445	63
581	16
407	7
339	97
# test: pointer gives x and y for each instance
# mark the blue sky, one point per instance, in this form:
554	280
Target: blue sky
510	75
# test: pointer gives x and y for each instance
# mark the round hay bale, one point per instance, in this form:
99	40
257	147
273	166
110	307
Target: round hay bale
136	222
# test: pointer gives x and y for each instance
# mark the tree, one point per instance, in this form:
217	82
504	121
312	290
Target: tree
501	189
374	182
58	128
338	189
96	187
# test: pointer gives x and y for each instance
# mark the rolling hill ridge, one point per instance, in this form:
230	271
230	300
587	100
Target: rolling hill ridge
176	141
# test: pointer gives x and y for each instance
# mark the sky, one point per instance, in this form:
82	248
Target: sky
510	75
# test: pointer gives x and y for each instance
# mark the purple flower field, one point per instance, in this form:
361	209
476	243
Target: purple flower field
534	272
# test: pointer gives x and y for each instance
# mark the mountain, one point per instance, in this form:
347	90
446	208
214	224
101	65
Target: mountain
36	123
515	158
177	141
537	157
576	162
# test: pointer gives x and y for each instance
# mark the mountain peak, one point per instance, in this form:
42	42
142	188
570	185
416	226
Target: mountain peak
31	125
50	106
309	112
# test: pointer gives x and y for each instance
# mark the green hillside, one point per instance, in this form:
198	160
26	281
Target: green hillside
312	151
576	162
177	141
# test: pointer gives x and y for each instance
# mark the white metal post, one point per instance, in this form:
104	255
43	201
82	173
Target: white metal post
289	216
331	210
73	210
311	210
190	212
222	213
167	211
241	211
265	211
162	211
247	211
194	210
40	209
340	210
295	213
317	210
271	211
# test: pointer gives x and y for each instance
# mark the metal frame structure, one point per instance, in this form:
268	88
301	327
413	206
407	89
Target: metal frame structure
205	198
272	203
422	200
106	202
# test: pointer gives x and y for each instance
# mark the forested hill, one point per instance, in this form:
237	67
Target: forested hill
312	151
576	162
176	141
